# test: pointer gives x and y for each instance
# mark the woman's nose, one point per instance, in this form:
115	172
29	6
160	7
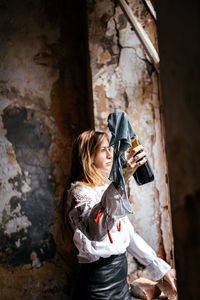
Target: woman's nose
109	153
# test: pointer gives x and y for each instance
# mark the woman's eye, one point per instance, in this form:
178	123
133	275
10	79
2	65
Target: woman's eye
105	149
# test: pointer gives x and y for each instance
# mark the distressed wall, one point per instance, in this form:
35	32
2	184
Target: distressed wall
123	77
44	104
179	43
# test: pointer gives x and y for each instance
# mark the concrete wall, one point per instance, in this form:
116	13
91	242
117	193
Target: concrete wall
123	77
44	105
179	43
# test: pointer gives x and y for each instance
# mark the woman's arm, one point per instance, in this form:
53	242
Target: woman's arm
157	267
92	218
145	254
138	247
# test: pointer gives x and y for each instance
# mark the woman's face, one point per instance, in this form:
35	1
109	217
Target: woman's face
103	158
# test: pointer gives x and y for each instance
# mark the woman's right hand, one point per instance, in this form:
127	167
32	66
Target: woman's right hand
170	277
132	161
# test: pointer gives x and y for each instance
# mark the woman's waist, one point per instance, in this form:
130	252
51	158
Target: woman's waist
112	262
111	258
106	256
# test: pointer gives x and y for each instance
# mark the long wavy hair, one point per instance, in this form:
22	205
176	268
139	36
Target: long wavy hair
83	170
84	151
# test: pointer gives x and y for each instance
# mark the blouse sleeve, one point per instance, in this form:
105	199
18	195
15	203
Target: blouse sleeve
94	218
146	255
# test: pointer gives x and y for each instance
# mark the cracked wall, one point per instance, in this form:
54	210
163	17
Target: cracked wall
44	104
123	77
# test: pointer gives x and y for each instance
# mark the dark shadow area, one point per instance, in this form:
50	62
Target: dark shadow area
179	44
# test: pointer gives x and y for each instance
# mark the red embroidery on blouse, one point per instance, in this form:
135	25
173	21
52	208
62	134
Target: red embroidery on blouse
110	238
100	211
119	226
80	197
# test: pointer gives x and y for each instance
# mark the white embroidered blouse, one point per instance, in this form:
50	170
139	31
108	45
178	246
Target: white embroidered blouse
101	228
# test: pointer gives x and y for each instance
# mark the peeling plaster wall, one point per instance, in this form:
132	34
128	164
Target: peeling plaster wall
122	77
44	104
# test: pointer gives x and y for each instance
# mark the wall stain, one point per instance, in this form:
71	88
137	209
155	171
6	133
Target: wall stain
46	90
30	139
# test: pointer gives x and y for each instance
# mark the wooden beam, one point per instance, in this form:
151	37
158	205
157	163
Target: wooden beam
146	42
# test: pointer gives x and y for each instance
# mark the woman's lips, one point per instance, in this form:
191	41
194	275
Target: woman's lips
109	163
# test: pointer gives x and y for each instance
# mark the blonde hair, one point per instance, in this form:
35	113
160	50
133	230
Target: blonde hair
83	170
84	151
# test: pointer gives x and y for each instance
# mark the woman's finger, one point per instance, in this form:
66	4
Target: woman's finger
139	156
141	162
135	159
131	167
133	164
134	151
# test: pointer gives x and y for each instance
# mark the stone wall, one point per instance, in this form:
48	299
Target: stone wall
123	77
44	104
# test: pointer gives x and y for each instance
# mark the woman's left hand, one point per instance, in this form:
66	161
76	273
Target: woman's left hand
134	159
170	277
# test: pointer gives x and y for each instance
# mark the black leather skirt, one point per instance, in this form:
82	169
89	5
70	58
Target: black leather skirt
105	279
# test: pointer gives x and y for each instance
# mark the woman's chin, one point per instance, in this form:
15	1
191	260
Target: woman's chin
106	171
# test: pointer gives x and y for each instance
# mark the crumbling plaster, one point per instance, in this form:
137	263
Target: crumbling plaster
43	87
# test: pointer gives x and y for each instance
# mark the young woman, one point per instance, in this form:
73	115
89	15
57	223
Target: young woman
102	232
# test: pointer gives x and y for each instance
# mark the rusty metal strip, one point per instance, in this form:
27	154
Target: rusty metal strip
150	8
